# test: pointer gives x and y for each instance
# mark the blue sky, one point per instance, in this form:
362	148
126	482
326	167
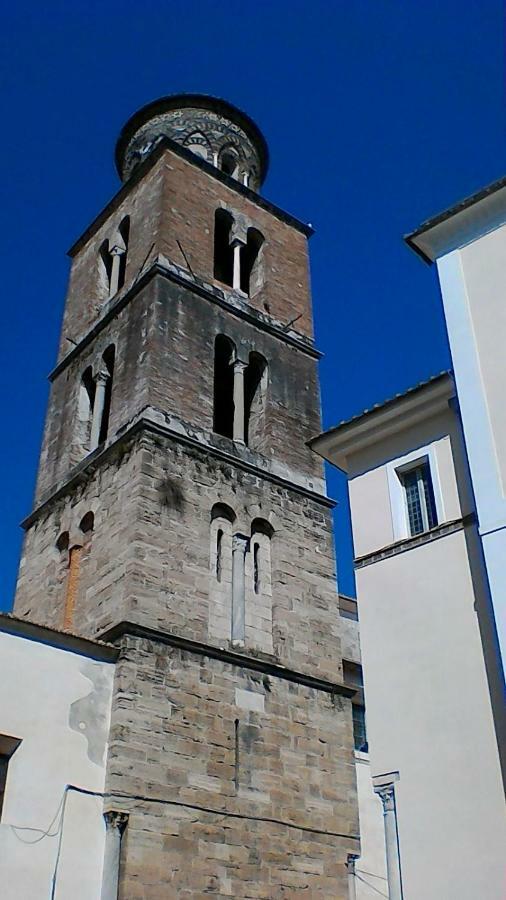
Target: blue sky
377	113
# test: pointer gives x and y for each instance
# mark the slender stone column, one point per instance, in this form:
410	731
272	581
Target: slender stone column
115	824
352	887
116	253
236	280
238	433
98	408
387	794
240	545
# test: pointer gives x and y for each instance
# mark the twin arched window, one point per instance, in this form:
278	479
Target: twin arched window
240	393
237	255
95	395
240	573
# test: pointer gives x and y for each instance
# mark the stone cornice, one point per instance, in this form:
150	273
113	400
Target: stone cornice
411	543
231	657
102	454
165	144
180	276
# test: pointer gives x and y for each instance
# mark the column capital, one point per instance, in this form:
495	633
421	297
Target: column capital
386	793
116	820
239	365
240	543
102	376
117	250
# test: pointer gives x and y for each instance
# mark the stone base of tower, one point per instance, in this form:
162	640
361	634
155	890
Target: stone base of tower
237	783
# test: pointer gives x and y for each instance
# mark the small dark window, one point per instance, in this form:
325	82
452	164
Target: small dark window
87	523
352	674
223	252
228	162
62	543
359	729
254	399
223	418
8	746
108	358
419	495
250	262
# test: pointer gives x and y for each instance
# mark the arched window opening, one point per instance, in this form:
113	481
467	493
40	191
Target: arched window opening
228	162
261	534
251	262
124	233
105	263
222	511
108	358
198	144
220	570
86	405
255	391
87	523
223	416
62	544
223	252
258	589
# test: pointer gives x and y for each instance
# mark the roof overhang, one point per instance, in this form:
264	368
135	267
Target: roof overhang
338	445
461	224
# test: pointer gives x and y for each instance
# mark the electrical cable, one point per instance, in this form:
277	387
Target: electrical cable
363	872
43	834
371	886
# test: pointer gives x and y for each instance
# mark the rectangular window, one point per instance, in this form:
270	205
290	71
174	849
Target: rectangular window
419	497
8	745
359	730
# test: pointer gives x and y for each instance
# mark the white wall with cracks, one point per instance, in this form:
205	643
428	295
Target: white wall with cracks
56	701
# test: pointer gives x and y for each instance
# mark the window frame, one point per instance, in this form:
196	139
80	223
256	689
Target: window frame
8	747
396	470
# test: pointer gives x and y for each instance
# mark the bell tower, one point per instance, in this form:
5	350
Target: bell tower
180	513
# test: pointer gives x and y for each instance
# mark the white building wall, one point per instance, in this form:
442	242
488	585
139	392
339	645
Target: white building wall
472	285
58	703
429	718
428	709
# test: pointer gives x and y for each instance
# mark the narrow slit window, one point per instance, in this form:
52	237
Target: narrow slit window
419	498
219	554
223	404
256	568
223	252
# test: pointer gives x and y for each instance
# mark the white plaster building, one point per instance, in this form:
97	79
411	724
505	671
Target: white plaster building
422	598
468	244
55	701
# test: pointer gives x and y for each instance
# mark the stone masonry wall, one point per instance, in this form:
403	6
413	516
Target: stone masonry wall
164	341
206	740
176	201
149	557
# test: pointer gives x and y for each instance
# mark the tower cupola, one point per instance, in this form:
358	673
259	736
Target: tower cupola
212	129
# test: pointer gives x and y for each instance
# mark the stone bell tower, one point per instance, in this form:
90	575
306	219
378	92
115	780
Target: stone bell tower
180	513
